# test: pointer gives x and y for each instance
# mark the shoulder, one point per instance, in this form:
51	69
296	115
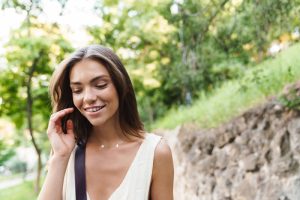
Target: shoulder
162	150
162	157
163	172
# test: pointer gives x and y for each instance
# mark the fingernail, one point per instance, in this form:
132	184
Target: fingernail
69	124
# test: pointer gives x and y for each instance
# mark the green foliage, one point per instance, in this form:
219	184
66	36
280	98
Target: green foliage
291	96
213	32
31	53
172	49
20	60
293	102
137	32
201	44
21	6
43	46
5	152
234	97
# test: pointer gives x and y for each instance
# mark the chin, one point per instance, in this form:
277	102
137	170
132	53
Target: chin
101	119
96	122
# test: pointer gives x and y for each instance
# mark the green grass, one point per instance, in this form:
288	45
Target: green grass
24	191
234	97
5	178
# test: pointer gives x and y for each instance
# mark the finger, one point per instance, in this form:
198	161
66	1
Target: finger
70	127
61	113
55	118
58	129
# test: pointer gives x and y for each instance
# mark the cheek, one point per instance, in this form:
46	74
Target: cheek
116	102
111	96
76	101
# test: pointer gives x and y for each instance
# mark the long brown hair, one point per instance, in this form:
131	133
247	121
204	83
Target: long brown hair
61	94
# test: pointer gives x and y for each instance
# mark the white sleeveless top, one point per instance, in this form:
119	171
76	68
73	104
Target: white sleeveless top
136	183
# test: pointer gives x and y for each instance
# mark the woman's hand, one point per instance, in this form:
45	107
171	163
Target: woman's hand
62	143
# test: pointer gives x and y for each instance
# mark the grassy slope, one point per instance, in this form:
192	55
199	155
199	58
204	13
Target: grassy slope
234	97
23	191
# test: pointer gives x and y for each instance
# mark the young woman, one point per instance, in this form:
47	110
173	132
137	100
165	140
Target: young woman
94	108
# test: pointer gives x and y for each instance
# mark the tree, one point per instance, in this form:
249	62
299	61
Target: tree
31	53
183	47
216	40
137	32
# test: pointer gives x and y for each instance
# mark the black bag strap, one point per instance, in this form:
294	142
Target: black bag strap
80	181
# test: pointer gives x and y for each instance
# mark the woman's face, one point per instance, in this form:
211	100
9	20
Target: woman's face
93	91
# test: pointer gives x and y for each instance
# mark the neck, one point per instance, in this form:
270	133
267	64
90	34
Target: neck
109	134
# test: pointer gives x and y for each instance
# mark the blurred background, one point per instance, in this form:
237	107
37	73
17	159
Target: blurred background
202	62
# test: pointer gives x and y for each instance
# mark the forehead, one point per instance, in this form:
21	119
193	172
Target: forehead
87	69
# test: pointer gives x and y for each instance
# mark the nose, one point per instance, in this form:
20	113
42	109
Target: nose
89	96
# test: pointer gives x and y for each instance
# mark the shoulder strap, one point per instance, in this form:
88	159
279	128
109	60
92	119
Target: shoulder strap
80	181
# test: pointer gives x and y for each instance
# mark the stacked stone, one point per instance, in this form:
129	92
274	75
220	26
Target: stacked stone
254	157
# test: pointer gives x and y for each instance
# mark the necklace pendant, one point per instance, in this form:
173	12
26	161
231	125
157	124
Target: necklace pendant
102	146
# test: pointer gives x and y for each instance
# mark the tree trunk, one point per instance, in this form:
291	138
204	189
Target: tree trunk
29	123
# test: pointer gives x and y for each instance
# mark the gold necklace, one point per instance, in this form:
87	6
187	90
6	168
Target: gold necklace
102	146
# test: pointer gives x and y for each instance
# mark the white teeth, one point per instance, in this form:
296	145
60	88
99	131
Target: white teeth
94	109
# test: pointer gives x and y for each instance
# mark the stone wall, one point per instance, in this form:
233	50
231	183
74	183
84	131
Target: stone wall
254	157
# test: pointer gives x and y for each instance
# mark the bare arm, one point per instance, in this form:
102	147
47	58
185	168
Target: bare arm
53	185
62	145
163	173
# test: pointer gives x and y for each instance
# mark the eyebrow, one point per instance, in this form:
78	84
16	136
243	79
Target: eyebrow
91	81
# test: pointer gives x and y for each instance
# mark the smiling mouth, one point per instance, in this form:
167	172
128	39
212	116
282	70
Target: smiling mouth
94	108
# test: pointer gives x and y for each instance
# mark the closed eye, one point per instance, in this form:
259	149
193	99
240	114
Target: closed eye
76	91
101	86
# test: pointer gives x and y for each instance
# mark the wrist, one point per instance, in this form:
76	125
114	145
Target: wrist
58	159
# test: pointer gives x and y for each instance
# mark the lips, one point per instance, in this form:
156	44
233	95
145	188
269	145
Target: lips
93	109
